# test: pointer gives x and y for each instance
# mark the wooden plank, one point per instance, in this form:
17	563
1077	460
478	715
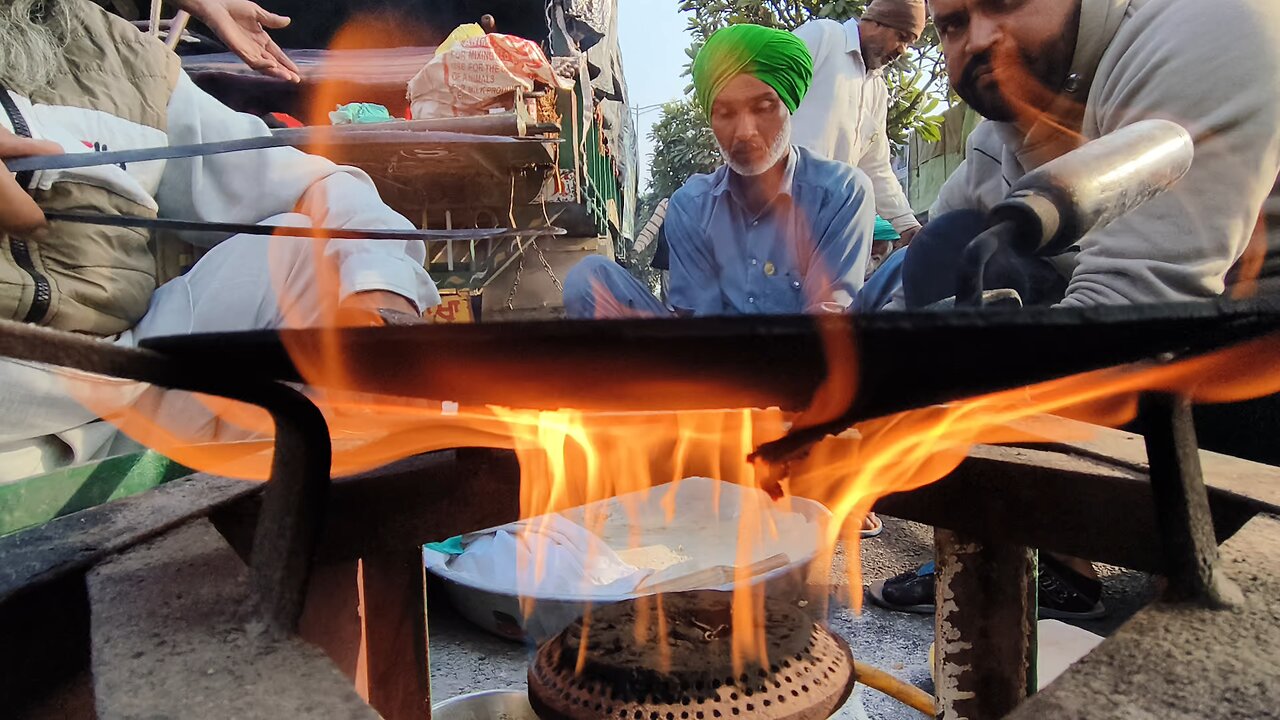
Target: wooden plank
1222	473
395	609
1179	662
174	635
76	542
1099	509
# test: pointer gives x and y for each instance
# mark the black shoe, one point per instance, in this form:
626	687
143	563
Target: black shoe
912	591
1066	594
1063	593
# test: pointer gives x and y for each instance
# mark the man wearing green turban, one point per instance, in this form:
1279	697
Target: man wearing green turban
778	59
778	230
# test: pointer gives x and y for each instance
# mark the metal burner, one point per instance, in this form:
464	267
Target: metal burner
671	659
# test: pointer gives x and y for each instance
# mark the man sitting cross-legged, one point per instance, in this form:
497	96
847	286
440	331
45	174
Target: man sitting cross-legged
777	230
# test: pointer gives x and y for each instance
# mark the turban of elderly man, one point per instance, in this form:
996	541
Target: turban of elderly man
775	57
908	16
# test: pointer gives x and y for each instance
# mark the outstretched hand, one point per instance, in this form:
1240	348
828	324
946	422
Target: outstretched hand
242	26
19	213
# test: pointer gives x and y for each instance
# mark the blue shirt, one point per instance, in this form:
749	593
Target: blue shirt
806	252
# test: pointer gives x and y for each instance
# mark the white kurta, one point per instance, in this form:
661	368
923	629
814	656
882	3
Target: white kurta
844	114
243	283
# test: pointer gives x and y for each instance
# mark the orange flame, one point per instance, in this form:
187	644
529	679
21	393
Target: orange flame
570	458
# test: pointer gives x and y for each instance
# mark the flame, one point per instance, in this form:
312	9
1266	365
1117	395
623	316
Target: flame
571	458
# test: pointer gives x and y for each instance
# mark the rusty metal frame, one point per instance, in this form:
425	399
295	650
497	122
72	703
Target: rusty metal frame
288	529
1181	505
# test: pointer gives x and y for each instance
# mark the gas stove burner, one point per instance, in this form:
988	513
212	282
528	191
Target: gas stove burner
674	662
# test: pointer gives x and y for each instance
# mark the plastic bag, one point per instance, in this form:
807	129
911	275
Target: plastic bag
549	556
360	114
475	73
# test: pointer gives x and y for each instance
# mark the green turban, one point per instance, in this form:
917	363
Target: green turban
775	57
884	231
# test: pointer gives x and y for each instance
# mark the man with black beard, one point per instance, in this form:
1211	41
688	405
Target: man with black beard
1050	75
777	230
76	79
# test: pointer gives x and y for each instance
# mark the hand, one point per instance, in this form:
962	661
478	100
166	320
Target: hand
19	213
907	237
364	308
242	26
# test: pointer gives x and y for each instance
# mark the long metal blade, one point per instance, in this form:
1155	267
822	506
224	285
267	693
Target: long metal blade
288	231
294	137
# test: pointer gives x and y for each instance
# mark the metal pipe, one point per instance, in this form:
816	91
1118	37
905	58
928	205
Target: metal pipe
305	138
294	500
1063	200
973	263
320	233
1182	504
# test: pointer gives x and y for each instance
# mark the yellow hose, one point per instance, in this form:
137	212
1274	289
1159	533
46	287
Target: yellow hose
903	692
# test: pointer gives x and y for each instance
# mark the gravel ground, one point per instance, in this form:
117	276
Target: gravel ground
465	659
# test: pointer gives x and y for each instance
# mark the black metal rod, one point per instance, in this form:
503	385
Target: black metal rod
1182	504
973	263
307	137
319	233
293	507
289	526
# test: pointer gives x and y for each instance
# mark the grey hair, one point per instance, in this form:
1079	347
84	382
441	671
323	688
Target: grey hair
33	34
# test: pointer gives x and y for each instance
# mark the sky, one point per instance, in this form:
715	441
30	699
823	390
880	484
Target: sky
653	38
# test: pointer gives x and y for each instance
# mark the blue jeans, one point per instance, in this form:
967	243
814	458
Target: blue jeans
600	289
931	264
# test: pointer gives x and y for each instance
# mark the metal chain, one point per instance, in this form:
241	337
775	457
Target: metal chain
515	284
542	258
547	266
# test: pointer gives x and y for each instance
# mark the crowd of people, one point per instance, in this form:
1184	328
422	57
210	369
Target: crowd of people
805	215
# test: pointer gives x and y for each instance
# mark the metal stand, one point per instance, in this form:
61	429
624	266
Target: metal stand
985	624
295	497
1182	505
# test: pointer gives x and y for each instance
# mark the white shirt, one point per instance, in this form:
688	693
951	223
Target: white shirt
241	187
844	114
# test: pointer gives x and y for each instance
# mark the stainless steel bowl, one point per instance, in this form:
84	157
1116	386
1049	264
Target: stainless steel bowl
487	705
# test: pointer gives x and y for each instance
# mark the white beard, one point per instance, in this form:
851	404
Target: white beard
777	151
33	34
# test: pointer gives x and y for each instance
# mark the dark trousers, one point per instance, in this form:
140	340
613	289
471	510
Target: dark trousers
931	267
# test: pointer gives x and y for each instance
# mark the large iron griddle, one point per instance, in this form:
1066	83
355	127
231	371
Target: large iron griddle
902	360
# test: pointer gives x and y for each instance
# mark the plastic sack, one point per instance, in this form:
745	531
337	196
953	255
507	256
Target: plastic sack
360	114
469	31
549	556
476	73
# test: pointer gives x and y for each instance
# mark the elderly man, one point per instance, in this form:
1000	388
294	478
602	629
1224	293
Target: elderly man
1051	74
77	78
844	116
777	230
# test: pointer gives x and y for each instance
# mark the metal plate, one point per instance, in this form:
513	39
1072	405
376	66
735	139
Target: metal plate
902	360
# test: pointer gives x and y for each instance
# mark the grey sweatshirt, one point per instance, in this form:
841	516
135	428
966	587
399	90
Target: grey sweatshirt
1211	66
